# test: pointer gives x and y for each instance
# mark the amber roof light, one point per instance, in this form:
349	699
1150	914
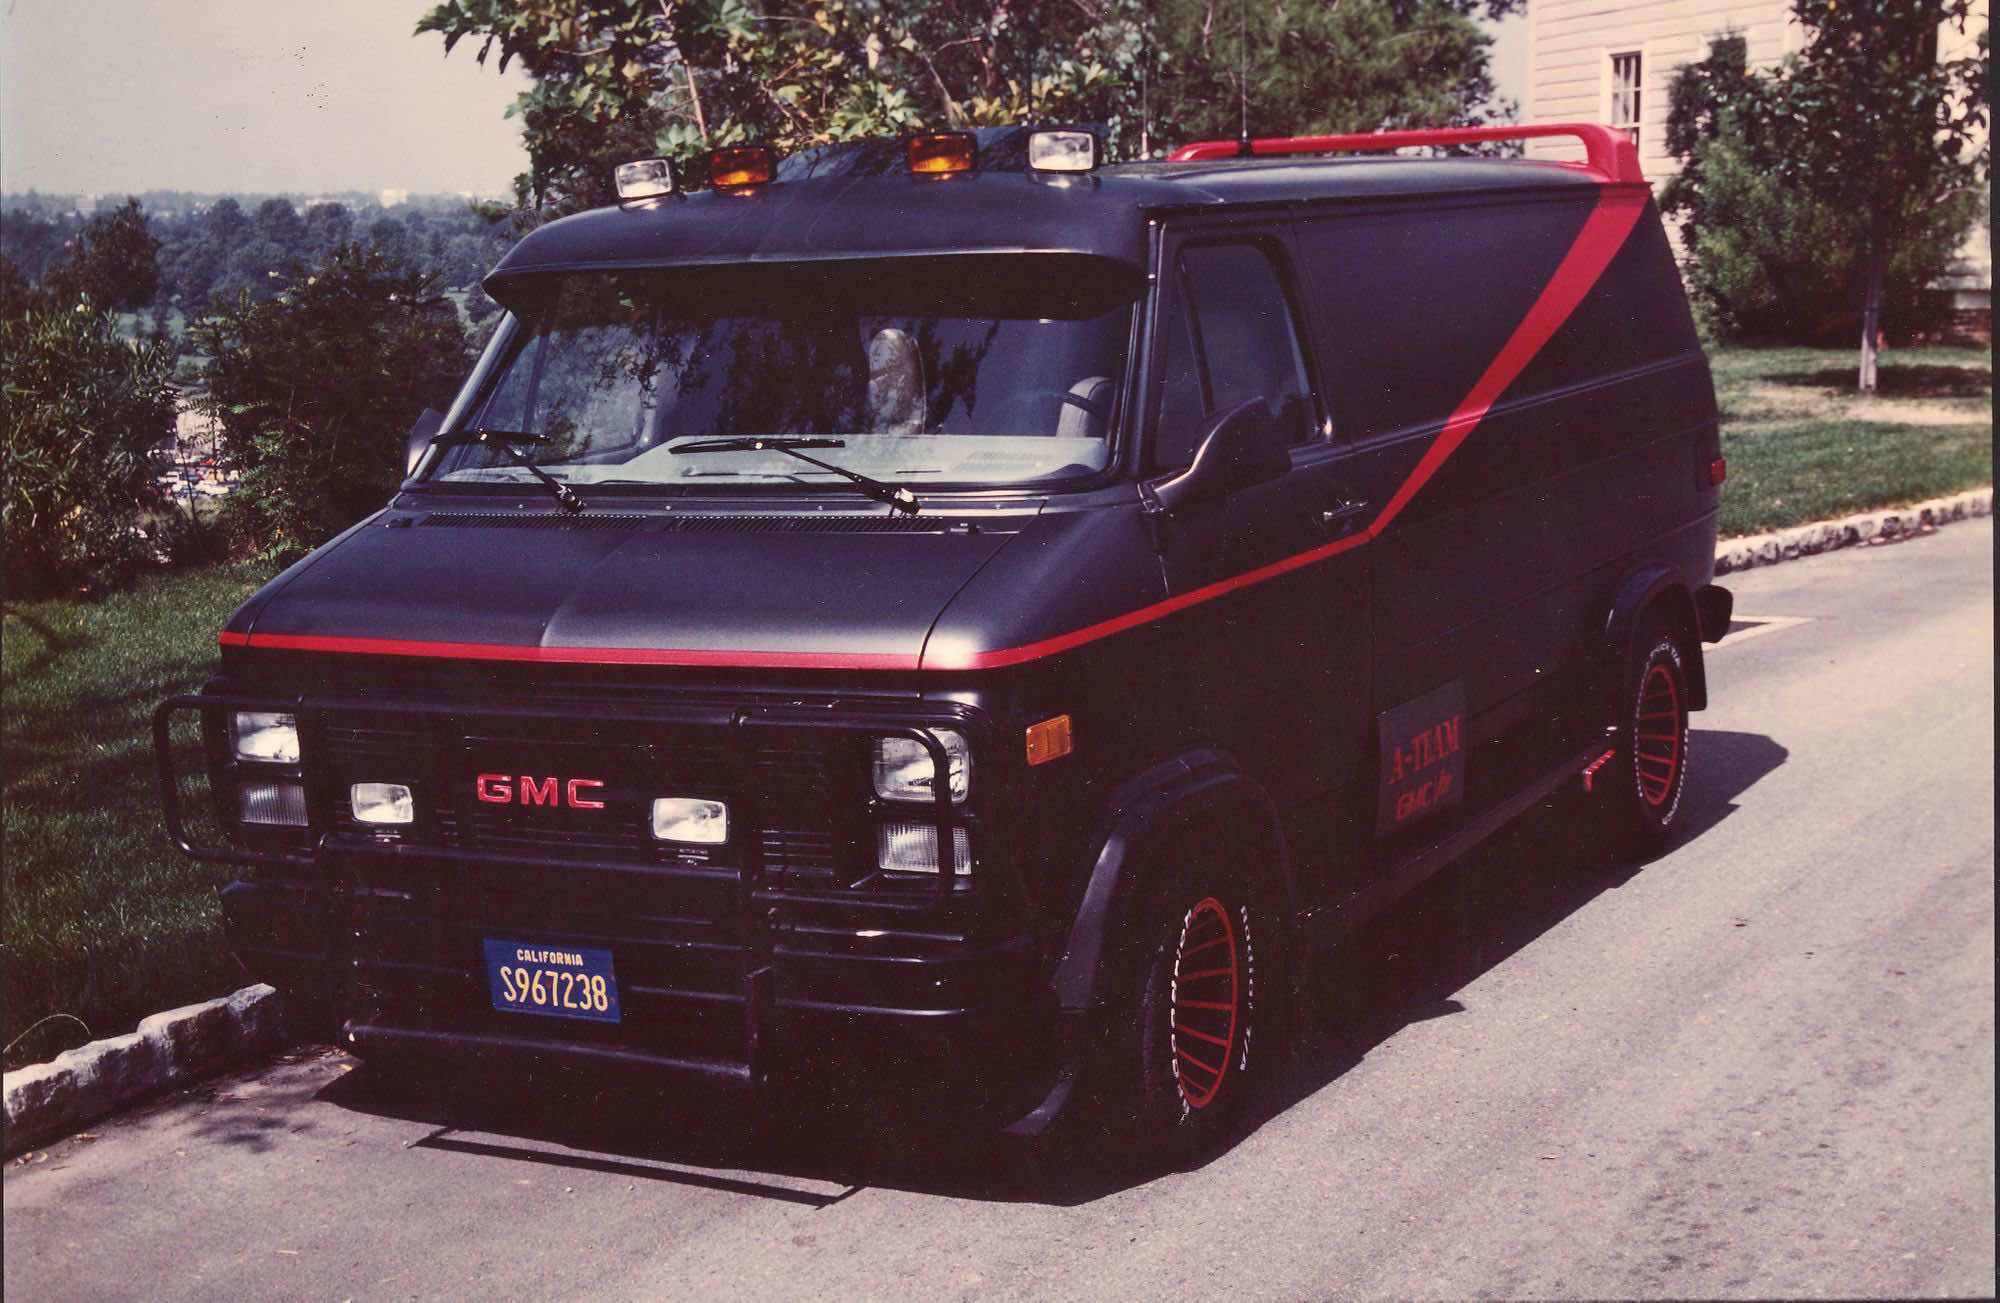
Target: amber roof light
741	165
941	153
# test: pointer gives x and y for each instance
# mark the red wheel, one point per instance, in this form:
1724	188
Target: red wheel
1205	1003
1642	795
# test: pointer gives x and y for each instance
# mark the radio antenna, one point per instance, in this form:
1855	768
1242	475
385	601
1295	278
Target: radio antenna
1145	58
1243	77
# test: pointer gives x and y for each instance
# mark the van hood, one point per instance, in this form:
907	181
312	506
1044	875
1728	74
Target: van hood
845	591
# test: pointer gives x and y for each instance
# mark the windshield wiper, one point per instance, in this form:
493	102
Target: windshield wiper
505	440
895	496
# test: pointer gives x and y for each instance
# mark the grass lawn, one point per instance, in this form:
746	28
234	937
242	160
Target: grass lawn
1803	446
102	918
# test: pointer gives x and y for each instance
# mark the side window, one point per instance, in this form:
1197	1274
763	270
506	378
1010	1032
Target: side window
1230	337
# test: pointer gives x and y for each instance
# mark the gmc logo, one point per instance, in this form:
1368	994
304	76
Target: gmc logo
506	789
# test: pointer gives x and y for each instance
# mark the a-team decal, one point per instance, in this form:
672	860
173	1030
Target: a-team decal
1603	235
1422	753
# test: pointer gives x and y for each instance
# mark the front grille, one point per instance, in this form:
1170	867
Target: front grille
795	806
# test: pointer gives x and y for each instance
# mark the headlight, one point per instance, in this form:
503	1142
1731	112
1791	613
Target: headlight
268	736
904	770
690	819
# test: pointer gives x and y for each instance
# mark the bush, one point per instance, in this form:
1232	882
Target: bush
81	409
316	388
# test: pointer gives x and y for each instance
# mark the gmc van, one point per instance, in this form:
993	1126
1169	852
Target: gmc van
950	613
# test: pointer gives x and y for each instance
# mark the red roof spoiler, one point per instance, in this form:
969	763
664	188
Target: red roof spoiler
1610	151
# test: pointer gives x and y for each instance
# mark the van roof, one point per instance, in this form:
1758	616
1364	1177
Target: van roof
857	203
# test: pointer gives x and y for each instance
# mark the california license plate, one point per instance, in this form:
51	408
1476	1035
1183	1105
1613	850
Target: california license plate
554	981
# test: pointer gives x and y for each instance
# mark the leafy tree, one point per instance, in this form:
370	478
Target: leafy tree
316	387
1882	128
113	262
1845	179
81	409
621	79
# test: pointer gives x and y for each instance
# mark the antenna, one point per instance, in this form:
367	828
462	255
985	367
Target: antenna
1243	78
1145	58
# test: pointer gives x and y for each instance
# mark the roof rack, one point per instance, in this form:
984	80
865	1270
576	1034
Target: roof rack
1610	151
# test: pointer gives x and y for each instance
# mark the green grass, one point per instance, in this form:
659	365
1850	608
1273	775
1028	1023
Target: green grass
102	919
1803	446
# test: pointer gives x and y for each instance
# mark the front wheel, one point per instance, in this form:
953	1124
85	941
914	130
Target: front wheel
1201	1037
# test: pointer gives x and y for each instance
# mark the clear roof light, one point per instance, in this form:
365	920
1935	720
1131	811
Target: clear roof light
648	178
1062	151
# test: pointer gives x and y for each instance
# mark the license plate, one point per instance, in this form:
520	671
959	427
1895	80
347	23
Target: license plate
554	981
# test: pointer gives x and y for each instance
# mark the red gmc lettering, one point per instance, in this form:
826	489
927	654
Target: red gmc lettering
1423	797
506	789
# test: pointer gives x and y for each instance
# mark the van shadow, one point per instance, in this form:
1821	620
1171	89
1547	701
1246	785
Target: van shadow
1400	970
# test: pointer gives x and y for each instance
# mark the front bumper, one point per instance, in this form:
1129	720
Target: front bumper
761	961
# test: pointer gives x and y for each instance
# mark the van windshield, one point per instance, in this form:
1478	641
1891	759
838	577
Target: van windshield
950	371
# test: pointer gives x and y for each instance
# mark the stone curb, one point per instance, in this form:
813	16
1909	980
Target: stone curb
45	1101
1883	525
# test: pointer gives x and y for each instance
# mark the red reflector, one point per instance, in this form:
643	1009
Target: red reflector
1718	470
939	153
740	165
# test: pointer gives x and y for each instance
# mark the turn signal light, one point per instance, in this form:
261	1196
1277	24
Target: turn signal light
1049	740
941	153
741	165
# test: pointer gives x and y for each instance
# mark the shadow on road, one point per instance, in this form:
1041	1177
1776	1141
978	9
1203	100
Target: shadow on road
1401	970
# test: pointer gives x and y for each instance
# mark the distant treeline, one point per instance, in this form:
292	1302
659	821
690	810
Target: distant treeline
218	247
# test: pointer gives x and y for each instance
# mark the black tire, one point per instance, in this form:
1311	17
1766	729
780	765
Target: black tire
1643	786
1200	1031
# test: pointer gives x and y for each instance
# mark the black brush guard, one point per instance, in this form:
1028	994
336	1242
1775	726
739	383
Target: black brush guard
337	880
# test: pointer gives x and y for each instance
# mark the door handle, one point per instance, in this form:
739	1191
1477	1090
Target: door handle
1342	512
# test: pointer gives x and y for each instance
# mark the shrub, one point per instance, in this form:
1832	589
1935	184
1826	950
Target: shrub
81	409
316	388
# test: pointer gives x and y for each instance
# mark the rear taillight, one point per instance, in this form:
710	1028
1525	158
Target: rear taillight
1718	471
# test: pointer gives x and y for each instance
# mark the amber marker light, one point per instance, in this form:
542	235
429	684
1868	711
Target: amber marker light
741	165
941	153
1049	740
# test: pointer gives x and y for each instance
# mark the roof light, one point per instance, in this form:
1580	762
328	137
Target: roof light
941	153
649	178
1062	151
741	165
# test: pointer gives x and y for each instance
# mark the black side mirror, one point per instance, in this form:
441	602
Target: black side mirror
1243	446
419	438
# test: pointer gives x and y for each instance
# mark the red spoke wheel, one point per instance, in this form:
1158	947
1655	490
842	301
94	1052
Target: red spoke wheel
1642	794
1197	1040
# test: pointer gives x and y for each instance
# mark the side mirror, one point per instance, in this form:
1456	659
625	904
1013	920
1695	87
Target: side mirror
418	441
1243	446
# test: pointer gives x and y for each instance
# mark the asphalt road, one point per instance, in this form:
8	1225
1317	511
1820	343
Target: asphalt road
1761	1065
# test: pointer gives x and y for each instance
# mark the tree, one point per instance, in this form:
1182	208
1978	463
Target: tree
315	388
1881	127
622	79
82	407
113	262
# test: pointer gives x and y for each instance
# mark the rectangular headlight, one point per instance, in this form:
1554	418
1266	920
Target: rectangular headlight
279	804
271	737
382	803
691	820
904	770
913	848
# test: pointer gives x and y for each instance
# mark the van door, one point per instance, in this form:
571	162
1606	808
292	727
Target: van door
1276	655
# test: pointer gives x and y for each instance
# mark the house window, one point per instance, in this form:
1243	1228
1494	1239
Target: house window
1625	80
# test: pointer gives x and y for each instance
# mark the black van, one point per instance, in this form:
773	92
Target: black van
949	608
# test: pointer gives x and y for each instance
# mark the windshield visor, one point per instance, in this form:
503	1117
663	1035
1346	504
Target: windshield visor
962	372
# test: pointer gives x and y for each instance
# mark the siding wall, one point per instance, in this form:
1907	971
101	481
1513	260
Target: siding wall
1570	44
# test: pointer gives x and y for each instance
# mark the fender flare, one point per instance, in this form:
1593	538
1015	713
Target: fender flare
1637	593
1189	787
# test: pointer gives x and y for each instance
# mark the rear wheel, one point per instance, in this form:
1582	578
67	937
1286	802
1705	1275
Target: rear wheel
1643	789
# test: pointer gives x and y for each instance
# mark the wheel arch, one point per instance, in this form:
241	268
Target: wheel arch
1649	588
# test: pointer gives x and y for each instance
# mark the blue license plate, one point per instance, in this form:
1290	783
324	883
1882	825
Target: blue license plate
552	980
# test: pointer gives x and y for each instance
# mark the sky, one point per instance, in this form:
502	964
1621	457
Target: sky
263	96
249	96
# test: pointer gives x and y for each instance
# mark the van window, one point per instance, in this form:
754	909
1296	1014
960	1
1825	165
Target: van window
1230	337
